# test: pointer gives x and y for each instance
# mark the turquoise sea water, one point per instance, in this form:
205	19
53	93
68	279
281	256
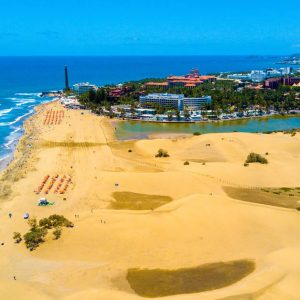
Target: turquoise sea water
23	78
136	129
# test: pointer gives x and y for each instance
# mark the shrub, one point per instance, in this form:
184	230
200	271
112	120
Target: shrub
57	233
35	237
246	165
38	230
55	221
17	237
162	153
256	158
186	163
129	150
32	222
197	133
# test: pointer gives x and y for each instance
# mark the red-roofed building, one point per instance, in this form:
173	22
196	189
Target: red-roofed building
191	80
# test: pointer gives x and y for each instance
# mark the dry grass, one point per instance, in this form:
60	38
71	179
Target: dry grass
69	144
275	197
134	201
160	283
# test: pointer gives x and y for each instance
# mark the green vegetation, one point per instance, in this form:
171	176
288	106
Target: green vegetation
197	133
162	153
35	236
186	163
227	96
57	233
135	201
256	158
17	237
39	230
55	221
161	283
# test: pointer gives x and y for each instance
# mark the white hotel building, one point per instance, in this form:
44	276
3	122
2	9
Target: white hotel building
83	88
175	101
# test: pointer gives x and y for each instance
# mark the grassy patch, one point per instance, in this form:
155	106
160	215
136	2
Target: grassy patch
160	283
270	196
134	201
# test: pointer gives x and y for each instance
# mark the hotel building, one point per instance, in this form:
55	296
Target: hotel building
175	101
83	88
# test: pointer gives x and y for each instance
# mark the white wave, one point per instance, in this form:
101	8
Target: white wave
17	129
25	101
16	120
12	99
4	112
28	94
9	143
4	158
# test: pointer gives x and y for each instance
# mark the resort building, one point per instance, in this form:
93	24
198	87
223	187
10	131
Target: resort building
191	80
196	103
291	80
273	83
258	76
239	76
83	88
175	101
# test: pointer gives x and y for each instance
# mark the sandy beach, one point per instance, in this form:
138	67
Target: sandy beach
212	210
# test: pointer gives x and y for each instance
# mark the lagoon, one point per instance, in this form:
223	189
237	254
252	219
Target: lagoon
126	130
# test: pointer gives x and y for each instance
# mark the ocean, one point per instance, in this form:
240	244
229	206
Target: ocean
22	79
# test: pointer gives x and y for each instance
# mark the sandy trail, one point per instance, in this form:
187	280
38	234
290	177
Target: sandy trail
201	225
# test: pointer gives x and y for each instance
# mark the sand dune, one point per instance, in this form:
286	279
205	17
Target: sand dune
201	224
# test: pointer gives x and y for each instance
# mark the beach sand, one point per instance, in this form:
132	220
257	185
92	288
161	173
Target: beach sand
201	225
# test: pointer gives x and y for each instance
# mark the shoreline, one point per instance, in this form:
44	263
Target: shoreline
210	121
6	160
18	163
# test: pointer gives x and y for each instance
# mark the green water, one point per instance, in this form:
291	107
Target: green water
138	130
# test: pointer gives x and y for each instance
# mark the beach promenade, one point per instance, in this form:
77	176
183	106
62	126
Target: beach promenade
132	210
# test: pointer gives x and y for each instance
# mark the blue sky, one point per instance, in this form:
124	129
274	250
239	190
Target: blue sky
152	27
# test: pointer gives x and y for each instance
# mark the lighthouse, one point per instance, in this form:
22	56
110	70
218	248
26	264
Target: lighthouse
67	88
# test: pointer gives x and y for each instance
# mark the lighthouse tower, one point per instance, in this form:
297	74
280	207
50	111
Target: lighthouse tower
67	88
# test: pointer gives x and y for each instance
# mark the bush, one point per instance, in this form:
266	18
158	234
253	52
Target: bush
162	153
55	221
57	233
246	165
186	163
17	237
35	237
129	150
38	230
256	158
197	133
